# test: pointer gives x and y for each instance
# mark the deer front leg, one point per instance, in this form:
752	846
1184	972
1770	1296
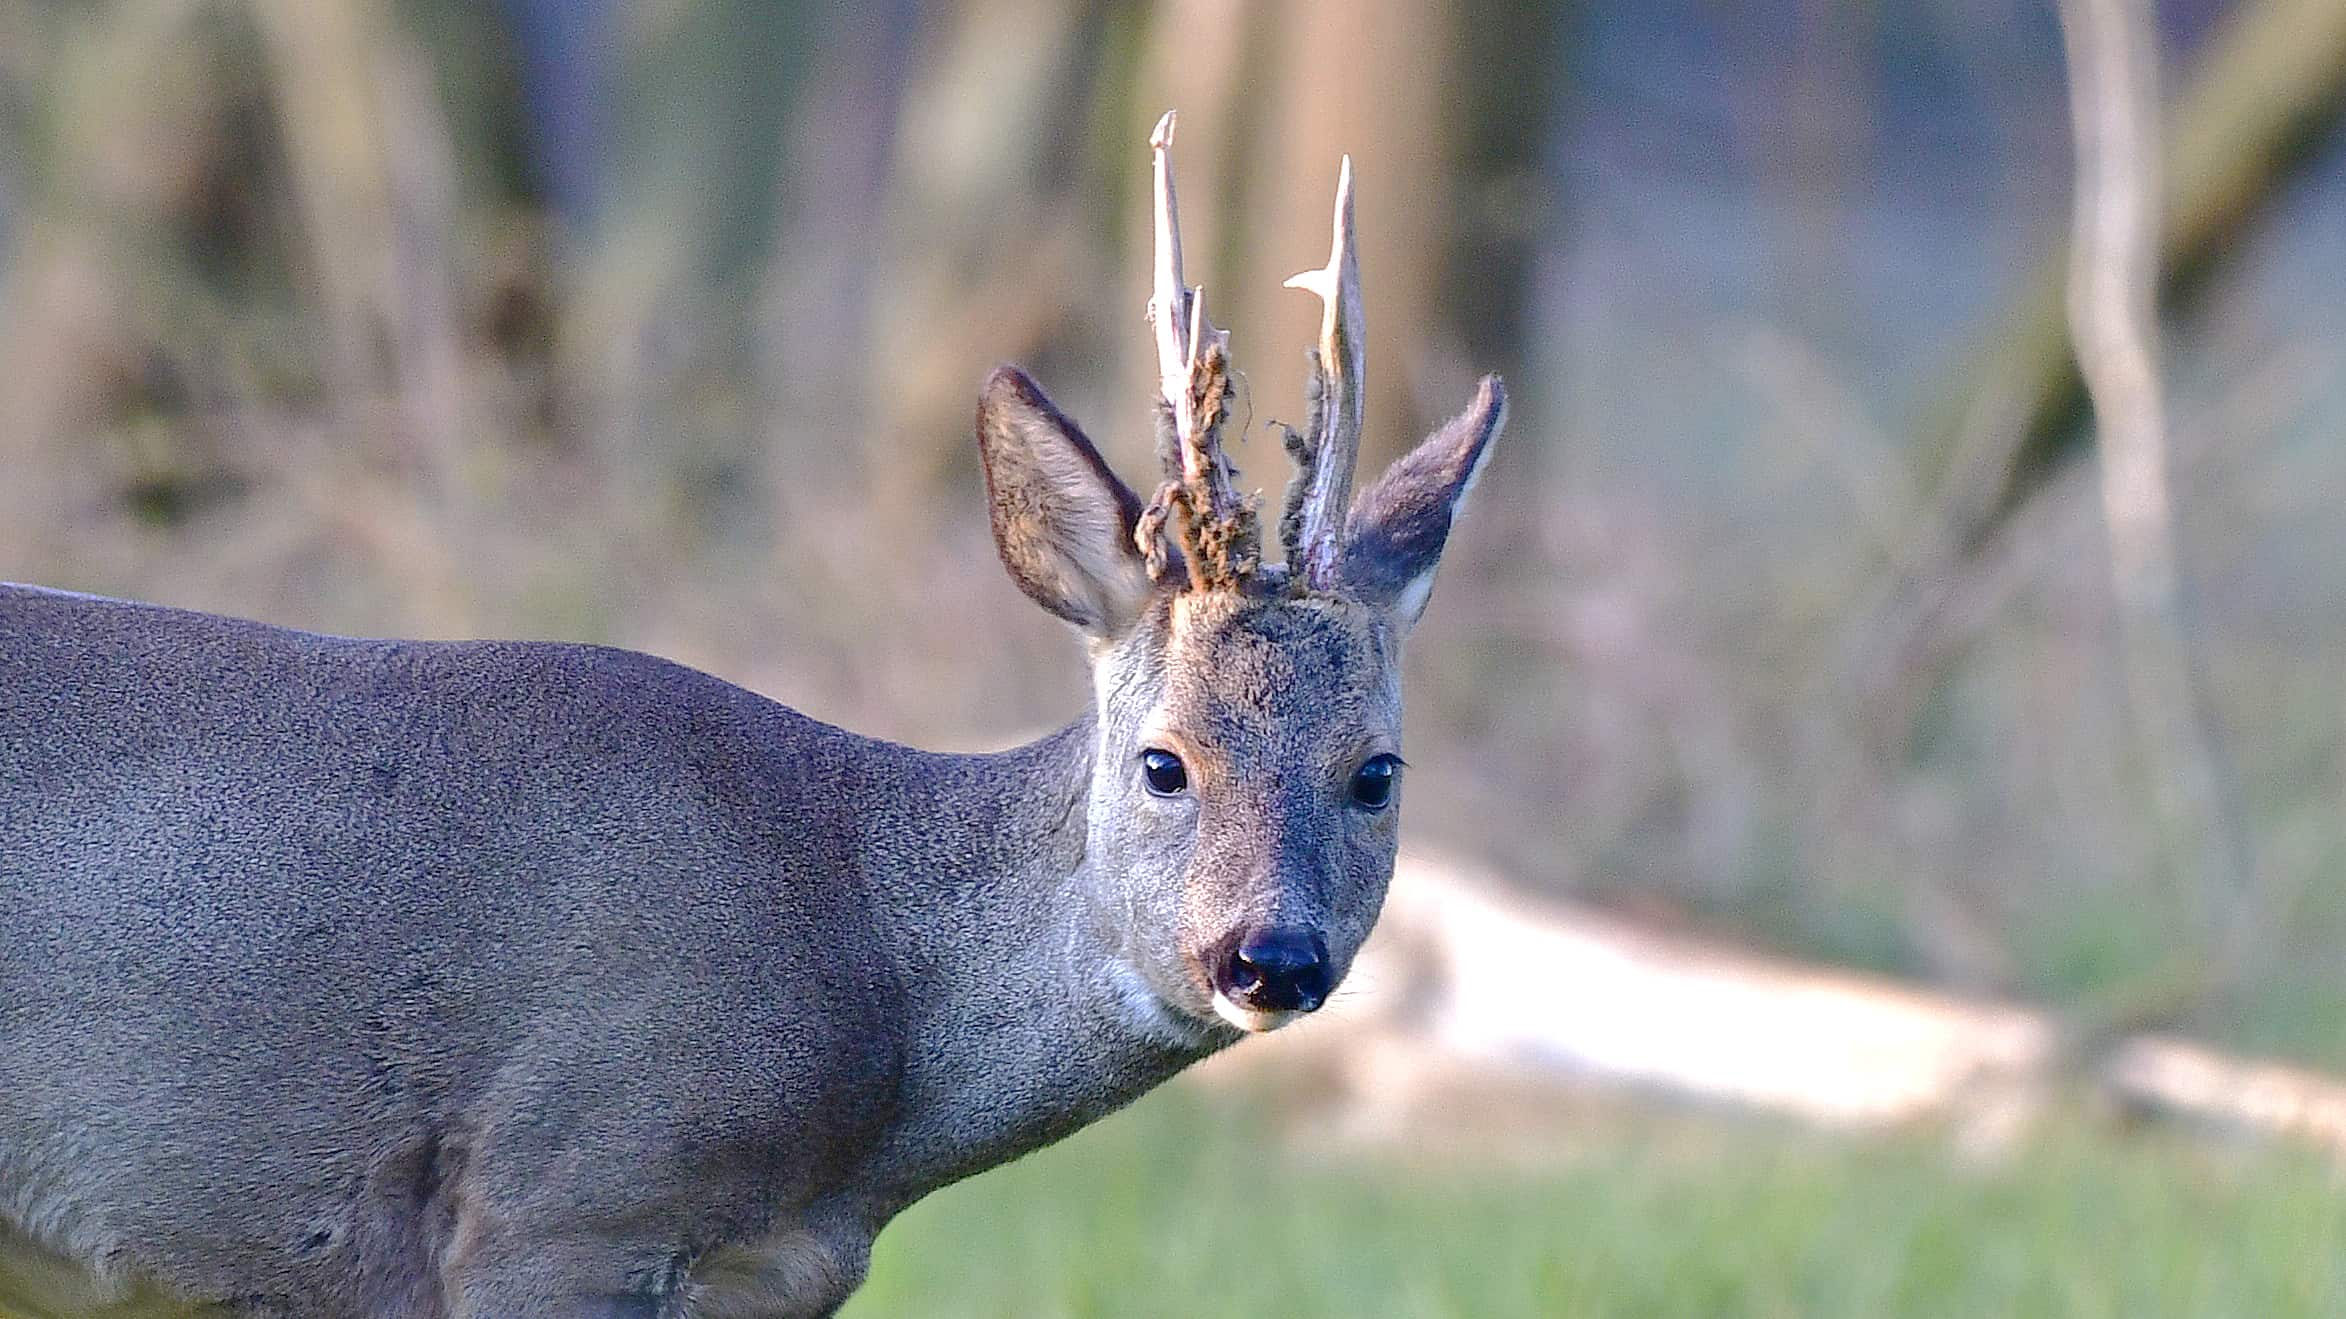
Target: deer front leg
802	1273
797	1274
522	1275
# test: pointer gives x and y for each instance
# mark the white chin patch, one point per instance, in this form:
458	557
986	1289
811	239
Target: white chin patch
1252	1020
1149	1014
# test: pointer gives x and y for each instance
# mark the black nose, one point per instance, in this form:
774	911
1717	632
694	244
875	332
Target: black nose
1278	970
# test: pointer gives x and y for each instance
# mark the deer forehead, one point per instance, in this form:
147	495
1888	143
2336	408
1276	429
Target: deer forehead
1249	678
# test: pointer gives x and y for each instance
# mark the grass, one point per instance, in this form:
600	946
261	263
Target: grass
1183	1207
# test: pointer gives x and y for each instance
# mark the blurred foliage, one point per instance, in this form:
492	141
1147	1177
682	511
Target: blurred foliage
1185	1207
659	324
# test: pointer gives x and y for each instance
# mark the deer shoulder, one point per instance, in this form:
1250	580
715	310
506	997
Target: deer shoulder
373	978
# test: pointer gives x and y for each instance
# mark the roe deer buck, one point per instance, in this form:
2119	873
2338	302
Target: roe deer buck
382	978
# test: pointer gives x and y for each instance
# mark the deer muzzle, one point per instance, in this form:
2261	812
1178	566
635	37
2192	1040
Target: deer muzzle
1270	976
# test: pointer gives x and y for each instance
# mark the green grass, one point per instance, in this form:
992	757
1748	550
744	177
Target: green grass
1182	1207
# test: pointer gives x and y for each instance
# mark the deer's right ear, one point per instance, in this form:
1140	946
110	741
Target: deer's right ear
1398	526
1062	521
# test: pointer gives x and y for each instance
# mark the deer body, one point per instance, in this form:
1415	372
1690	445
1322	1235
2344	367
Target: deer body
457	980
453	916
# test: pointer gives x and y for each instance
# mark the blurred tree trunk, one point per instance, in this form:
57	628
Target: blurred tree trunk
986	255
1504	204
995	250
109	336
369	157
2266	97
2112	49
1446	113
1207	60
1363	78
816	307
653	361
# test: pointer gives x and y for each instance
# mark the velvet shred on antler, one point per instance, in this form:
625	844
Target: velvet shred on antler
1215	527
1198	518
1303	449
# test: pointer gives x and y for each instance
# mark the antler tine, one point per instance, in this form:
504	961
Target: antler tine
1169	296
1215	525
1338	372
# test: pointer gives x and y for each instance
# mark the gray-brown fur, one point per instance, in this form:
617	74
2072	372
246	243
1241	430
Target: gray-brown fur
1303	450
1400	524
347	978
1056	509
384	978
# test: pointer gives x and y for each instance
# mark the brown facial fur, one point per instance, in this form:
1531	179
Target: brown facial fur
1271	703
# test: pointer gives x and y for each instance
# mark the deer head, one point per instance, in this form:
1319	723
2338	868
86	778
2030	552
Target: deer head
1246	779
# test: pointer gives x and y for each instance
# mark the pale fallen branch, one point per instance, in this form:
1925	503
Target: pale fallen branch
1467	990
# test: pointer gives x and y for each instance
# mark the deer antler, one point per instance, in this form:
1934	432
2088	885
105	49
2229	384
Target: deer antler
1216	526
1313	528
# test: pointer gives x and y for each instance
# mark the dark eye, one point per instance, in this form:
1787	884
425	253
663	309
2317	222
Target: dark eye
1164	772
1372	783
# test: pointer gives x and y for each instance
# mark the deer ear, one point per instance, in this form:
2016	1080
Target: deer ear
1062	521
1395	532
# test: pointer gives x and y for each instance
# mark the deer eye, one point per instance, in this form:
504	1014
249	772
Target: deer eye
1372	783
1164	772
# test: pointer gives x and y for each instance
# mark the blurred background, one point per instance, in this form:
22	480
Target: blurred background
1786	630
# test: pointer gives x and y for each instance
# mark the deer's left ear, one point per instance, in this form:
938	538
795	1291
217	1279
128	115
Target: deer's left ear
1063	523
1394	535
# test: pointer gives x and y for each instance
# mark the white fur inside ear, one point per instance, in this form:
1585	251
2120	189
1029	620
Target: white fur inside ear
1410	605
1089	538
1482	459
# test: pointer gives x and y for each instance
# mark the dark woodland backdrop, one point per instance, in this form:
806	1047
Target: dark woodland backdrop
1786	611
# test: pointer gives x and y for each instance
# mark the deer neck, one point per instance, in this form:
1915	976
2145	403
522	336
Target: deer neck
1023	1023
